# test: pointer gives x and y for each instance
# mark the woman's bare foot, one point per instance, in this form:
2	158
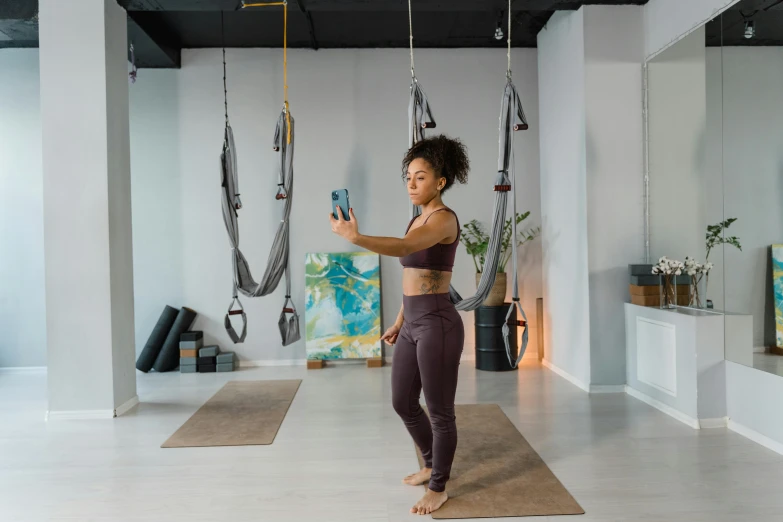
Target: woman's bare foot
431	501
418	478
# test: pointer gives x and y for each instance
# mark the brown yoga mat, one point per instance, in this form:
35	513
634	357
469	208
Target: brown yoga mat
497	474
241	413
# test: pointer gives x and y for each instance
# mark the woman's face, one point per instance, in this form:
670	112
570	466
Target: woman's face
423	183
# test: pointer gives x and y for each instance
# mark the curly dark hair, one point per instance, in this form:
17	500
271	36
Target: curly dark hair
447	156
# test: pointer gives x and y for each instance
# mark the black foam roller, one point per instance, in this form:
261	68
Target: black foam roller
168	358
155	342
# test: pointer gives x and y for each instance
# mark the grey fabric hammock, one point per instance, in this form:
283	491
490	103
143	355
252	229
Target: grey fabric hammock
277	263
512	118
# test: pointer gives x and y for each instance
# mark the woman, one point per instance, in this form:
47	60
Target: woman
428	332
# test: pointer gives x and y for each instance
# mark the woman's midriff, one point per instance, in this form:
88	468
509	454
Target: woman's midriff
418	281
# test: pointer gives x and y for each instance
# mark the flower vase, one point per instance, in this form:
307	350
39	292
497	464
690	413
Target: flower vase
696	292
668	292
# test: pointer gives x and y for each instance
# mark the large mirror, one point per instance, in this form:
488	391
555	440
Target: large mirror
751	241
714	173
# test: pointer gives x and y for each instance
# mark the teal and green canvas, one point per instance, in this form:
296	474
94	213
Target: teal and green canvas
777	284
343	305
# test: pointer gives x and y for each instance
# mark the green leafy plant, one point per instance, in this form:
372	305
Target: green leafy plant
715	236
476	240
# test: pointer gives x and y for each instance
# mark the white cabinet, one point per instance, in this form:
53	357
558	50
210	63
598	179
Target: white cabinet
675	360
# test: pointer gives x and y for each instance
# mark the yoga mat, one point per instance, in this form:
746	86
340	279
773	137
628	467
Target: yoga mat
156	339
241	413
169	355
496	473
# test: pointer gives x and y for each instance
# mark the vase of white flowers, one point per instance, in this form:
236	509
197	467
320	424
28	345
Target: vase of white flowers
698	273
668	270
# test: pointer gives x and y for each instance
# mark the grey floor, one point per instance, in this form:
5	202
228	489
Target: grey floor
341	452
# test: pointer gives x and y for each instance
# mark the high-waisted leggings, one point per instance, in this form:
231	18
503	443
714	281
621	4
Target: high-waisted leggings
426	356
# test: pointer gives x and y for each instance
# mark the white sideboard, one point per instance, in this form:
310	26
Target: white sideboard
675	360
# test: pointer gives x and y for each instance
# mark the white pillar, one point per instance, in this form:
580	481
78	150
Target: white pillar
87	208
590	112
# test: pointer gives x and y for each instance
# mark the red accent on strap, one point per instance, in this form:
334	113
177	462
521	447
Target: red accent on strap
235	312
288	310
502	188
521	323
281	196
524	126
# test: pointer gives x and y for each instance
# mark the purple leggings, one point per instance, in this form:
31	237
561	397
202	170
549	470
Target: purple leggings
426	356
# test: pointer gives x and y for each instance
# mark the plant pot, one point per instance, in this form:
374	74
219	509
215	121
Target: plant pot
497	296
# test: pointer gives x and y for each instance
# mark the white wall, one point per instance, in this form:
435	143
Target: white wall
561	48
351	113
156	197
613	73
752	153
22	292
677	132
666	21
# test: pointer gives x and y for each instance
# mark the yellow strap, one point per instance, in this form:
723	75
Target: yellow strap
285	59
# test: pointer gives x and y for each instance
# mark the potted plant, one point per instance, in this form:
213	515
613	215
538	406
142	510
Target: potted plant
715	237
476	240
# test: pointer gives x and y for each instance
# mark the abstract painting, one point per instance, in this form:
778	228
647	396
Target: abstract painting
777	285
342	305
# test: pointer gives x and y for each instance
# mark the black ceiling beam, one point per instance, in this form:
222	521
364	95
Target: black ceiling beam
333	5
18	23
151	47
310	25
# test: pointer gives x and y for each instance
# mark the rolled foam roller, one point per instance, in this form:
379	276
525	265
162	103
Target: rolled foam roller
156	339
168	358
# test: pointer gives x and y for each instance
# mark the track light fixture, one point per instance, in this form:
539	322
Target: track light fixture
499	29
750	29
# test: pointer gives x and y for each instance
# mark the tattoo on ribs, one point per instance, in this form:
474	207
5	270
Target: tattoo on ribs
431	282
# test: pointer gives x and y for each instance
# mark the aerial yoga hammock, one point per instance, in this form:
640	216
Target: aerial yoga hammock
512	118
277	263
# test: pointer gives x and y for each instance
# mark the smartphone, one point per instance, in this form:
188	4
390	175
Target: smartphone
340	199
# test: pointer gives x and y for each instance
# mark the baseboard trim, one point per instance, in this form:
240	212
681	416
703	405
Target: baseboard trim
756	437
709	424
272	362
127	406
24	370
607	388
565	375
668	410
79	415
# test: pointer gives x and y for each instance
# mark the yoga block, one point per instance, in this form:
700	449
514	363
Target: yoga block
315	364
654	280
640	270
191	345
225	358
206	360
208	351
190	368
187	361
225	367
207	368
188	353
191	336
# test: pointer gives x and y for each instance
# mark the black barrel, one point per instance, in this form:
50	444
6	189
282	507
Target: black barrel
490	347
